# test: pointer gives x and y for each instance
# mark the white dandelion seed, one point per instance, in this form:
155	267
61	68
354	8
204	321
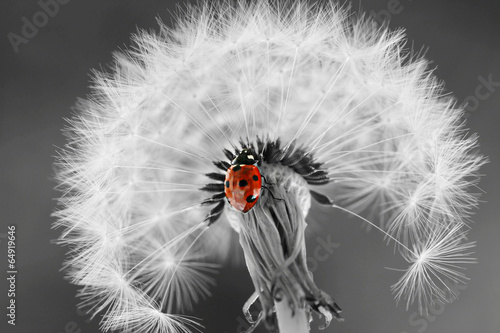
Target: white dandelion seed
434	263
328	103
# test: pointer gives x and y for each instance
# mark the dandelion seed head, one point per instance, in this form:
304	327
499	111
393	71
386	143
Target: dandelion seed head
340	90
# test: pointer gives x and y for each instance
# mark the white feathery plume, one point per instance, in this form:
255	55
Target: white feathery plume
435	264
339	93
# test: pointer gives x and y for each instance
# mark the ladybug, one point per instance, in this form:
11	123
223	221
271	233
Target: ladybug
243	182
241	186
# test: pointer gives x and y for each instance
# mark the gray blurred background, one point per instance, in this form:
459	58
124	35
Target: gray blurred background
40	83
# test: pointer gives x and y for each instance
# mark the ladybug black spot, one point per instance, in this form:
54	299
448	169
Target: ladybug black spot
255	178
251	198
243	183
227	183
237	167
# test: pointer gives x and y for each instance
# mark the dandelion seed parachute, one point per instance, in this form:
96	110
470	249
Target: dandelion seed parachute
341	87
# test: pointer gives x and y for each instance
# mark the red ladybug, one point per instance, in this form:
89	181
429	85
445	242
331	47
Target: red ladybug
243	182
241	185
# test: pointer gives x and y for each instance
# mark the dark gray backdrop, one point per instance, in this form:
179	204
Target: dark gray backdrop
40	83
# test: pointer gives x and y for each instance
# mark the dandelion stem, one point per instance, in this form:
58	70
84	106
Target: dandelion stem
288	322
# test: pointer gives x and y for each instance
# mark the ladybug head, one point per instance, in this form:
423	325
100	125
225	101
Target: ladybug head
245	157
